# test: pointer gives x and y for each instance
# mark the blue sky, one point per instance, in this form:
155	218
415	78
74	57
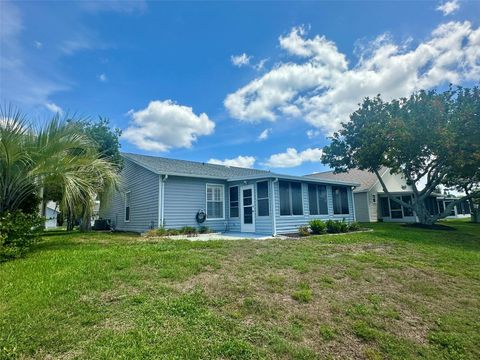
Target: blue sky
257	83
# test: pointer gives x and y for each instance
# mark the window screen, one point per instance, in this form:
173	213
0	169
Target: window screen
317	199
234	202
262	198
340	200
291	202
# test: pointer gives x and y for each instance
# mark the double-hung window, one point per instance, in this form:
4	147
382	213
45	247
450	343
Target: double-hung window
215	201
127	206
234	202
340	200
290	198
262	198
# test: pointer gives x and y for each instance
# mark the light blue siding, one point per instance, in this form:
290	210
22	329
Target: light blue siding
184	197
144	199
290	224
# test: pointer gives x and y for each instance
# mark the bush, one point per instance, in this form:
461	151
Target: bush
317	226
188	230
354	226
18	231
335	226
203	230
303	230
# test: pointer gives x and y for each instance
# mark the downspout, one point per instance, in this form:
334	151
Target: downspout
163	180
160	197
353	205
274	207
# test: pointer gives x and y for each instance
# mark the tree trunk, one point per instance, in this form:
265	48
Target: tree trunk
86	224
424	216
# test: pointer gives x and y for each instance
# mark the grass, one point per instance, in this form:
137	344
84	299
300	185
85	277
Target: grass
395	293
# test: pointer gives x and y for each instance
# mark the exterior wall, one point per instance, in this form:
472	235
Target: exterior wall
290	224
362	207
144	199
263	224
51	218
184	196
394	183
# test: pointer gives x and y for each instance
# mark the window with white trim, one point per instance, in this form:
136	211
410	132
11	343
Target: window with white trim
215	201
127	206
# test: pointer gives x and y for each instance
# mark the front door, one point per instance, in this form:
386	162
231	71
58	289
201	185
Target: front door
247	209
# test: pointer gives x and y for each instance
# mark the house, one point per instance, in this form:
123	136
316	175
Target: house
51	213
158	191
372	204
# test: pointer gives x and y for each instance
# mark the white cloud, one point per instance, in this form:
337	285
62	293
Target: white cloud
80	43
121	6
239	161
293	158
260	65
54	108
264	134
449	7
313	133
240	60
102	77
163	125
38	44
323	89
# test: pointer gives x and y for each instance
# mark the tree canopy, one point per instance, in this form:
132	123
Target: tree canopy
428	137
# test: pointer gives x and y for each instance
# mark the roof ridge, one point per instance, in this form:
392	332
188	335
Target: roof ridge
194	162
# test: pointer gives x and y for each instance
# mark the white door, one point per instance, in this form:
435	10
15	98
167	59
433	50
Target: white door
247	212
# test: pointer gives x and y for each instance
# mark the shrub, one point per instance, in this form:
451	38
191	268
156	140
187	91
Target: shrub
303	230
18	231
203	230
335	226
317	226
354	226
188	230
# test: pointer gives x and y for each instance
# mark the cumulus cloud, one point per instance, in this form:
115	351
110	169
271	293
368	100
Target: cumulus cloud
449	7
319	86
293	158
239	161
264	134
240	60
54	108
163	125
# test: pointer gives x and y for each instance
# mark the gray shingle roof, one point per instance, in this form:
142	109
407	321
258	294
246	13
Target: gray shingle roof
366	179
183	167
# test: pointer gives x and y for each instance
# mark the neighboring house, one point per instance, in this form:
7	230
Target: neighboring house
372	204
51	213
165	192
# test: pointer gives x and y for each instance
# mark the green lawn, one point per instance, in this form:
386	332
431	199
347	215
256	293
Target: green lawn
394	293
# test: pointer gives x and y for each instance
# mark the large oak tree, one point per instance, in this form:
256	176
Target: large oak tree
428	137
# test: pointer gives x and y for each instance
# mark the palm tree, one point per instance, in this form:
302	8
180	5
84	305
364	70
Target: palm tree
59	152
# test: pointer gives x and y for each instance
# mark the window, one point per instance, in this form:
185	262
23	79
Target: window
317	199
340	200
374	199
385	207
290	198
262	198
127	206
234	201
407	211
215	201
